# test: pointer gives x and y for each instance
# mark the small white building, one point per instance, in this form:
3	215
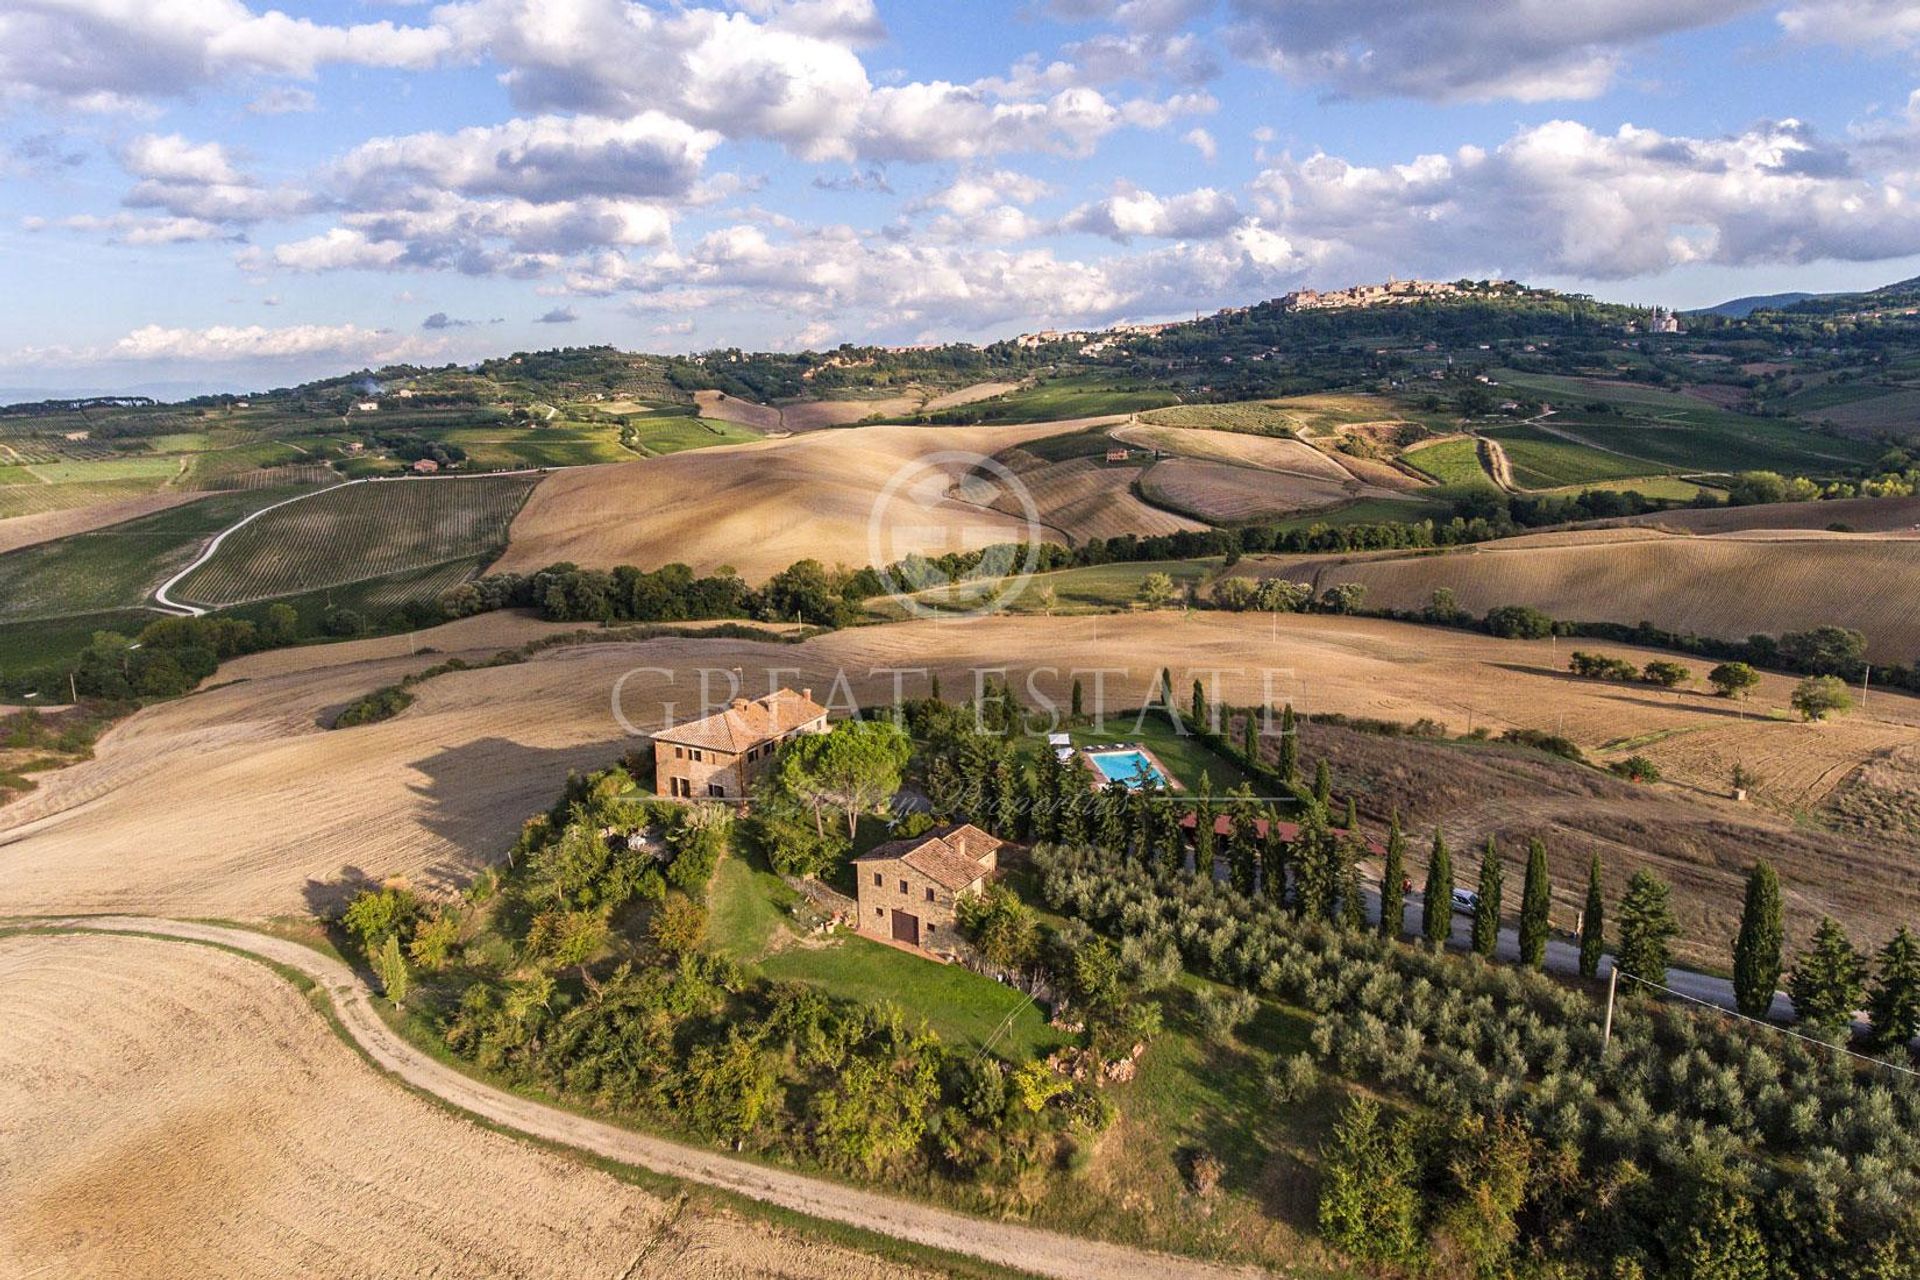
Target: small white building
367	406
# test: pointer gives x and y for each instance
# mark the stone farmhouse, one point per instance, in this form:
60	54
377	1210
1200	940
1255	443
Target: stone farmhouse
722	755
909	889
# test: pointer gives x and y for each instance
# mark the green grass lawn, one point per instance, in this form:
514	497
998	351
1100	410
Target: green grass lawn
746	907
960	1005
1194	1093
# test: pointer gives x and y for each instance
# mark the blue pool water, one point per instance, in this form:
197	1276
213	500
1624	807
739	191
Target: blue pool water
1126	766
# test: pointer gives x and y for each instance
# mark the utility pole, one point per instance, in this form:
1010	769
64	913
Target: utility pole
1613	985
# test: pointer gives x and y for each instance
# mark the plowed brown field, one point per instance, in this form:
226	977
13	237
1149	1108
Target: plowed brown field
1729	587
172	1110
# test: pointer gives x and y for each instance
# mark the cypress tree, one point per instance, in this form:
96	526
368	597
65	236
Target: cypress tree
1353	897
1593	923
936	687
1392	900
1647	928
1536	907
1078	704
1894	1002
1289	746
1168	838
1486	912
1274	861
1756	951
1199	703
1166	689
1203	841
1436	901
1322	783
1319	892
1829	979
1110	818
1243	839
1249	737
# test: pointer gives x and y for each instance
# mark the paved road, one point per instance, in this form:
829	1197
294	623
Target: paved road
1006	1244
1564	958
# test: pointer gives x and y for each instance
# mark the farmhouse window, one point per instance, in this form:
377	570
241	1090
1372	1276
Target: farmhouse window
715	789
679	753
903	886
929	895
879	911
878	879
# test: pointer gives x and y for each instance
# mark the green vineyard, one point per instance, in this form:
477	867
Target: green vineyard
360	531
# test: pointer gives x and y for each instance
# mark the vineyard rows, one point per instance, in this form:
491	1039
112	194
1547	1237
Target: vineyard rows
356	532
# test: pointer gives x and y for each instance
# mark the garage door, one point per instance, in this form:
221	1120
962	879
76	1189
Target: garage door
906	928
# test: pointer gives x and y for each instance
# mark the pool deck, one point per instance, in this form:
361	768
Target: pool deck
1100	780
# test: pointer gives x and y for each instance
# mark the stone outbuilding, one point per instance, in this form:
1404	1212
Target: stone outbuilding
910	889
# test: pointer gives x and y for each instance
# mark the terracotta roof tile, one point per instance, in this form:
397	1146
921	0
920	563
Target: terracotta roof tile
746	723
952	857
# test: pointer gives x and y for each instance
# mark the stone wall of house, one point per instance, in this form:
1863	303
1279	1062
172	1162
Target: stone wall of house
672	761
927	901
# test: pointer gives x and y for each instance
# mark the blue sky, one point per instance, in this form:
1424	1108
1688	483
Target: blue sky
201	193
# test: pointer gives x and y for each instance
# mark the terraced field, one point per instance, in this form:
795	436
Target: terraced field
360	531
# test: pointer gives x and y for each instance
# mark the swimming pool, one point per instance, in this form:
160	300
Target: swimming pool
1129	765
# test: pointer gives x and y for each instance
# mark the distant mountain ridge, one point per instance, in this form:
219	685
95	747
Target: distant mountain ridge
1741	308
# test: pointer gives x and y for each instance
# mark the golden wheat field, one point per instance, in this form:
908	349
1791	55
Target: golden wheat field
1729	587
759	507
236	803
173	1110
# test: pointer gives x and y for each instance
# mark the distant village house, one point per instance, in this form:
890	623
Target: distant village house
722	755
425	467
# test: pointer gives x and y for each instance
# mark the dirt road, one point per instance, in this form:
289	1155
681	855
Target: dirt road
1023	1248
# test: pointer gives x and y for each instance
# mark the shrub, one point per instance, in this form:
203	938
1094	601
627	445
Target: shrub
1518	622
382	704
376	915
1636	769
1818	697
1293	1078
1204	1172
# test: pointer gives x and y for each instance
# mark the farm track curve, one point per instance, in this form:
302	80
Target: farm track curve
1023	1248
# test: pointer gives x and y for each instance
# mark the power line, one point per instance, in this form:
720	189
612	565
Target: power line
1771	1026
